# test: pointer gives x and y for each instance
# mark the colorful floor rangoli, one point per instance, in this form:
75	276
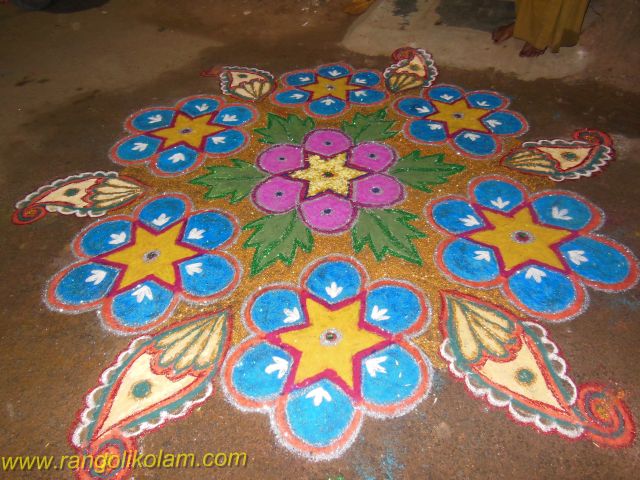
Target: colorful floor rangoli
362	194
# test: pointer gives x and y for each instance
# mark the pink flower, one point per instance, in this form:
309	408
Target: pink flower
327	179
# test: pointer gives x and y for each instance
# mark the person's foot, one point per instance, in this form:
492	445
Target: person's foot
530	51
503	33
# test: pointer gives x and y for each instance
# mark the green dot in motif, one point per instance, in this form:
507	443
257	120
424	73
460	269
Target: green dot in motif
141	389
526	376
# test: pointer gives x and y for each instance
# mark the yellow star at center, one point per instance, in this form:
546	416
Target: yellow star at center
327	174
151	255
187	130
330	341
519	239
459	116
323	87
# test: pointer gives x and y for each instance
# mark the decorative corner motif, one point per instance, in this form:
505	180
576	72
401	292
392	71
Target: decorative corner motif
587	154
86	194
156	379
514	365
414	68
246	83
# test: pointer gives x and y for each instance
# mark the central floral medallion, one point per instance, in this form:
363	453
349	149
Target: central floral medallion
328	178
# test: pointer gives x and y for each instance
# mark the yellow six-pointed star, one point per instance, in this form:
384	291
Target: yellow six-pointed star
338	88
151	254
519	239
327	174
188	130
459	116
330	341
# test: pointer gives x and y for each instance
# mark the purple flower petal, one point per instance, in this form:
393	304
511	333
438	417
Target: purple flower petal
281	158
327	213
372	156
327	142
377	191
277	194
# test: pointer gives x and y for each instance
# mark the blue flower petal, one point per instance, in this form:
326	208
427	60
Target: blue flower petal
428	131
390	376
327	106
596	261
138	148
200	106
334	281
471	261
153	119
300	78
160	214
415	107
106	237
542	289
208	230
293	97
177	159
445	94
85	283
562	211
485	100
366	97
498	195
261	372
393	308
206	275
368	79
456	216
224	142
476	143
277	308
319	414
234	116
503	123
141	305
333	71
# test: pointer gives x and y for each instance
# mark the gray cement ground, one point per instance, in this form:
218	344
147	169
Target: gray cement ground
69	78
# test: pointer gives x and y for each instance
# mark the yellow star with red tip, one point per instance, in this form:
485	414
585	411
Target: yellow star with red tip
459	116
187	130
330	341
519	239
327	174
151	255
338	88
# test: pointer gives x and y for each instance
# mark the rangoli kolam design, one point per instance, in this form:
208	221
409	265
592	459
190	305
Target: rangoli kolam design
342	233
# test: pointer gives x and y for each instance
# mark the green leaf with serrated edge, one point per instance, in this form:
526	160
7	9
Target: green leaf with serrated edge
387	232
374	126
291	129
419	171
277	237
235	181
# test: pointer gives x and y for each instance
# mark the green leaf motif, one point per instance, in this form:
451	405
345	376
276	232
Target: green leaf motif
236	181
419	172
369	127
387	232
277	237
291	129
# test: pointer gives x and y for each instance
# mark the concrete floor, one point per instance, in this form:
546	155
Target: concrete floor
69	78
